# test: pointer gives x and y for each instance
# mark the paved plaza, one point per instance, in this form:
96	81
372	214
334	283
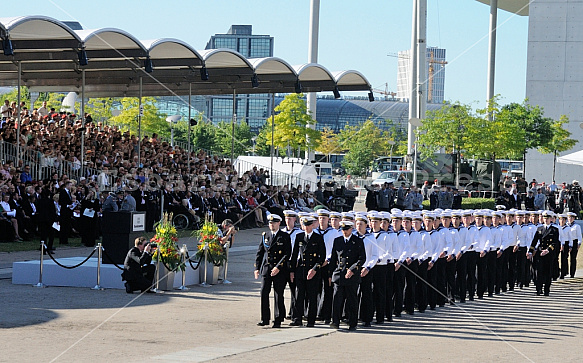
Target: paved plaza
77	324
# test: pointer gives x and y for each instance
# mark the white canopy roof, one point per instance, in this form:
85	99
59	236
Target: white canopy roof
50	55
575	158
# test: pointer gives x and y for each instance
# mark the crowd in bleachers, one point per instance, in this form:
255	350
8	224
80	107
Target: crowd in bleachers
161	178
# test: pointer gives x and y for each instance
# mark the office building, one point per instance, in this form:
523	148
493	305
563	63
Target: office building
435	73
253	109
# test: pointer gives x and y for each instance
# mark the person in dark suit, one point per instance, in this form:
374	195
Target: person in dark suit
543	247
138	272
67	206
90	208
307	258
47	215
140	196
347	258
272	264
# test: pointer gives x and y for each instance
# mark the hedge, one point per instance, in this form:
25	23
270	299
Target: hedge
472	203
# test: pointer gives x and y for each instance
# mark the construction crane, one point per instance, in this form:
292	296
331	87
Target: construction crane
386	92
431	70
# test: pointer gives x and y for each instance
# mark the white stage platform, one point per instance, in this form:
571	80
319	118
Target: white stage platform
27	273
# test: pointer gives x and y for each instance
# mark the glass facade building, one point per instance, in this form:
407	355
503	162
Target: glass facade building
435	71
252	109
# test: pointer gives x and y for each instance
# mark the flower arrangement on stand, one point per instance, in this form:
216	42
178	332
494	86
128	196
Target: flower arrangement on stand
167	241
209	234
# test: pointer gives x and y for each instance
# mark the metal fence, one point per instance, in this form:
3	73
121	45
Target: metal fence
276	177
42	167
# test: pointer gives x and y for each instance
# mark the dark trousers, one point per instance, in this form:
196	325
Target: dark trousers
511	274
491	258
65	231
345	294
432	290
482	275
421	288
379	291
47	233
411	281
439	267
501	272
145	281
472	261
306	290
326	295
521	267
555	270
450	269
565	261
389	307
461	266
278	281
366	303
292	288
543	272
398	288
574	258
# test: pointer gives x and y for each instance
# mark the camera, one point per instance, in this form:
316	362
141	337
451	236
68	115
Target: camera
154	245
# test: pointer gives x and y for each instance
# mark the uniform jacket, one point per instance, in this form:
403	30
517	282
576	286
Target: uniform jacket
546	238
347	256
273	251
308	253
133	263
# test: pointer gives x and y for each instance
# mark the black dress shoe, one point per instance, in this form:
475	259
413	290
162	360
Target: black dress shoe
471	298
366	325
276	325
310	325
352	328
263	323
538	293
128	288
326	322
334	326
295	323
547	294
398	315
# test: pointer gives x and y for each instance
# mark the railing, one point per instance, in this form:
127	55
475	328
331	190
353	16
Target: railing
275	177
42	167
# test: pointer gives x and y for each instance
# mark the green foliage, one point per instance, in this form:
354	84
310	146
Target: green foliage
152	121
537	128
263	142
99	108
292	125
54	100
560	141
224	139
472	203
362	144
203	135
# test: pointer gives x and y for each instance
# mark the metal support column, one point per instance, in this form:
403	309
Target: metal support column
189	118
412	81
492	50
83	122
312	58
140	123
233	127
18	119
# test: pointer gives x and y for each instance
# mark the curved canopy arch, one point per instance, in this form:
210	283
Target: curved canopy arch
111	43
350	80
315	77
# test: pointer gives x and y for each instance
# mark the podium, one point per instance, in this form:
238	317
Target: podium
119	230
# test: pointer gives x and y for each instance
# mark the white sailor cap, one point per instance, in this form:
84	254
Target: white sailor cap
290	213
273	218
348	215
346	225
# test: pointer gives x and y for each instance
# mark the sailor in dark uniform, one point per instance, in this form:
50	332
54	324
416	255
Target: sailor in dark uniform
308	256
291	229
346	260
272	264
543	247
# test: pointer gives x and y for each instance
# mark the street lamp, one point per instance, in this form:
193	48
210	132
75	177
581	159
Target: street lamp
392	143
172	119
415	122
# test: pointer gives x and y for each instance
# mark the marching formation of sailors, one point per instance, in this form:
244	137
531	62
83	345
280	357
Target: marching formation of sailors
374	266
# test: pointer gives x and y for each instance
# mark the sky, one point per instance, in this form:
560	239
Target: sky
355	35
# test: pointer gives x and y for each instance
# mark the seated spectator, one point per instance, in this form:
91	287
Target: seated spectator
138	271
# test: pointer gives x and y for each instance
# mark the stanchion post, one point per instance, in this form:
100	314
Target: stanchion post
99	251
227	247
159	261
183	252
204	283
40	273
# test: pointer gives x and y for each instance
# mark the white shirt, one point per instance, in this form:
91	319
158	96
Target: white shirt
402	245
329	235
576	233
483	238
371	250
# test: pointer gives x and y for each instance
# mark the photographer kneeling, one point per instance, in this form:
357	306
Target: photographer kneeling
138	270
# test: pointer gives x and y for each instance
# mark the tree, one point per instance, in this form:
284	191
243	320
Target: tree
242	137
560	141
537	128
329	143
446	128
152	121
203	135
362	144
293	125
